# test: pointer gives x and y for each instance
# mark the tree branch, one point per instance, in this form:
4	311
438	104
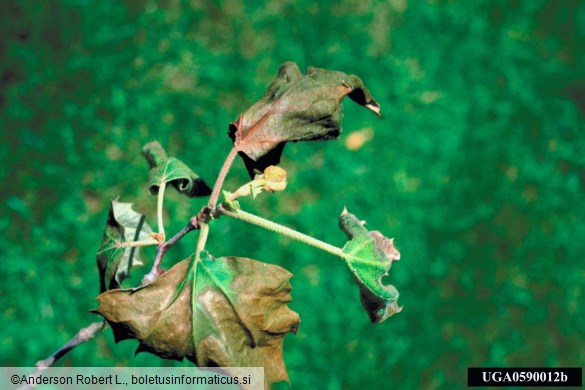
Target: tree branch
193	224
81	337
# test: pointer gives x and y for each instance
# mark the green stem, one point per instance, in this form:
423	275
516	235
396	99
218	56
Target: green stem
203	233
137	244
159	209
281	229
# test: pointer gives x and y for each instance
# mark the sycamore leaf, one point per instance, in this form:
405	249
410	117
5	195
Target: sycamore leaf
113	260
295	108
227	312
370	256
170	170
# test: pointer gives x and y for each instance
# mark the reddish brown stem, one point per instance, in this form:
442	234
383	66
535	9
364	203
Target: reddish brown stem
221	177
162	249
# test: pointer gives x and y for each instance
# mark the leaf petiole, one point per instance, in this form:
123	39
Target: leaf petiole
135	244
221	177
281	229
203	233
159	210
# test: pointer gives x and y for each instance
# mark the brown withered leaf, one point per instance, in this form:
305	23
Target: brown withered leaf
227	312
114	260
295	108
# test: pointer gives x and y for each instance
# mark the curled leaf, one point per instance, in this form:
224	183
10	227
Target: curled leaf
295	107
114	261
171	170
227	312
369	257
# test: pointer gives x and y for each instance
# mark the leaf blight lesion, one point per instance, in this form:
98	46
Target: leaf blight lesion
370	257
118	254
205	308
295	108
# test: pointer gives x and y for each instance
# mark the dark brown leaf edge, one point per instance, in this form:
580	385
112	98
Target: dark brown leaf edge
226	312
295	108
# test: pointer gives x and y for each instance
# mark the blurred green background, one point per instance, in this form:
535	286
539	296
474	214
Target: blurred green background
477	169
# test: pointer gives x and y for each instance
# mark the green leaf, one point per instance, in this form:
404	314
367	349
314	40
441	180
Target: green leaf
164	169
227	312
370	256
295	108
113	260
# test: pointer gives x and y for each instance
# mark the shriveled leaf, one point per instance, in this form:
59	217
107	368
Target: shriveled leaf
273	178
295	108
370	257
113	260
227	312
170	170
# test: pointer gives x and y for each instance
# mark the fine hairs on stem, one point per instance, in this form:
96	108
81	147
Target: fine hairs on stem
281	229
253	219
227	164
202	240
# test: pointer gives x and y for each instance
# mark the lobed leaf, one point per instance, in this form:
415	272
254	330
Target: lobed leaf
295	108
370	256
114	261
171	170
227	312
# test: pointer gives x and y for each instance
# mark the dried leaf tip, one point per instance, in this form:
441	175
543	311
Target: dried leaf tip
370	256
386	245
294	108
374	108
